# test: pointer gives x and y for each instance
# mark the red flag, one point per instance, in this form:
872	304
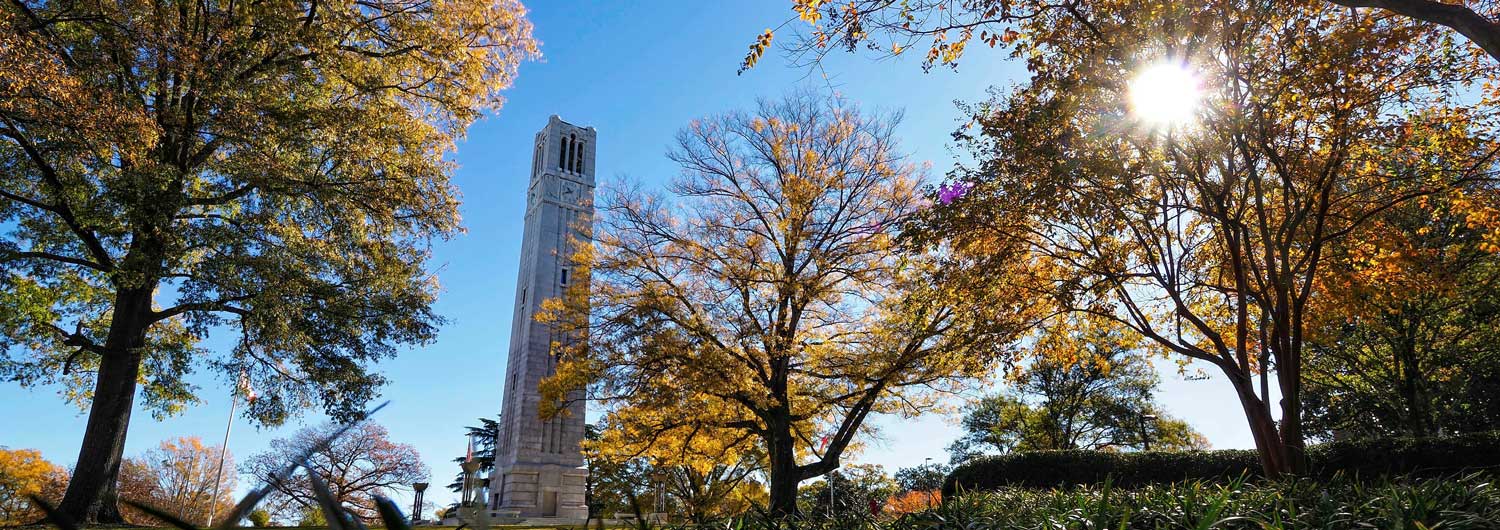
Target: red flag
822	444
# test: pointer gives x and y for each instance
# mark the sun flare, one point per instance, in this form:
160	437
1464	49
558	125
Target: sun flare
1165	94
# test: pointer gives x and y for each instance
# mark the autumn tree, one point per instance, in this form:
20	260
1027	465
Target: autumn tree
23	474
707	491
357	466
272	171
1208	237
1406	330
1085	384
765	306
180	477
913	501
700	484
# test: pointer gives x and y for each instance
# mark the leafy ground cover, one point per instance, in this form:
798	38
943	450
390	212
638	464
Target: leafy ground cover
1456	502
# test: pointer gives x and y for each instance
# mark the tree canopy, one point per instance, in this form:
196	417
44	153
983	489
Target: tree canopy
357	466
1405	338
24	473
946	28
270	171
1087	385
1209	238
766	306
178	477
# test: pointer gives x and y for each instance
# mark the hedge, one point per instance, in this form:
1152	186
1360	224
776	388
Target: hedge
1365	458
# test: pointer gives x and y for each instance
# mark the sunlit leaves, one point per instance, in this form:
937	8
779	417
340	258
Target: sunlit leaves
274	170
1209	240
763	304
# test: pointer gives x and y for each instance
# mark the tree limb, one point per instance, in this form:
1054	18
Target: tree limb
1480	30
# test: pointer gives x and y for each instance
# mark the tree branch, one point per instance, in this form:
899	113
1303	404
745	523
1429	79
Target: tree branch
1482	31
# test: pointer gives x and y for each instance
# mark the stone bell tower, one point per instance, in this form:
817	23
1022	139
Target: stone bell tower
538	463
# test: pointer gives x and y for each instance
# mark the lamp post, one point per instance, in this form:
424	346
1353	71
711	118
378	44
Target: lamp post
927	465
659	478
1146	421
830	494
470	468
416	503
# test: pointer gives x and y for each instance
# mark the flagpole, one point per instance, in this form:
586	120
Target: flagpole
213	504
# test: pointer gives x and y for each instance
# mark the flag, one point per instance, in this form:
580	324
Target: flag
822	444
245	388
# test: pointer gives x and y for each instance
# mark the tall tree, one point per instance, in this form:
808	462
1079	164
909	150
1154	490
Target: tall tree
1406	338
767	304
179	477
269	170
1207	238
357	466
1087	386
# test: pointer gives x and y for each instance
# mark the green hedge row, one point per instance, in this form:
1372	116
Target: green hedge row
1365	458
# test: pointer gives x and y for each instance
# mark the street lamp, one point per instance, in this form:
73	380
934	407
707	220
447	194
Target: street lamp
927	463
416	504
660	478
1146	421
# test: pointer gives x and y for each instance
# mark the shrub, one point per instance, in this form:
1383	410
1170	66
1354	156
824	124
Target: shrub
1450	503
260	518
1363	458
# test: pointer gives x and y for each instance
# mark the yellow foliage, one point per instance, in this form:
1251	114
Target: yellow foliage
24	473
767	308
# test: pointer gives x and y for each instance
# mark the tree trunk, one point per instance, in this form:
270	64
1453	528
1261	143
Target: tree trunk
1262	428
91	496
1289	374
1419	420
783	476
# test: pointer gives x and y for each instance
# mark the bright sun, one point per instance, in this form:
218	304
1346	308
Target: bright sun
1165	94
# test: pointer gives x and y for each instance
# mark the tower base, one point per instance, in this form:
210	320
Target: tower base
540	491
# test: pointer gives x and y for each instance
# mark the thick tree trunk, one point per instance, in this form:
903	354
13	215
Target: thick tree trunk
783	477
91	496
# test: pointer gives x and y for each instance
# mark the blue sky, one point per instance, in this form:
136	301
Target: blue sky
637	72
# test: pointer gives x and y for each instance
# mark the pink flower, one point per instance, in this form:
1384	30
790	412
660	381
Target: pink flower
948	193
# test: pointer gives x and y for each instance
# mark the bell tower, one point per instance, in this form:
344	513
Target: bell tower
538	462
